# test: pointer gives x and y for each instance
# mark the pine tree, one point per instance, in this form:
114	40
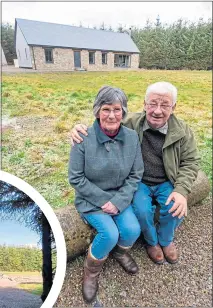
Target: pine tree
7	42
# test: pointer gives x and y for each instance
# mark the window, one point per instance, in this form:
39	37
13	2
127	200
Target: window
121	60
91	57
19	54
25	52
48	55
104	58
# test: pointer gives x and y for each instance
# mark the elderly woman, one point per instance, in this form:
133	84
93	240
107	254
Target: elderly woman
105	171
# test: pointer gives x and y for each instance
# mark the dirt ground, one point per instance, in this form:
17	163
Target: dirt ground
13	279
13	297
11	69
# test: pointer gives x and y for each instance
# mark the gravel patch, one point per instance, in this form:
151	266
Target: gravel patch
15	298
187	283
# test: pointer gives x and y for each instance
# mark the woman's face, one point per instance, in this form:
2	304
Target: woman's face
110	116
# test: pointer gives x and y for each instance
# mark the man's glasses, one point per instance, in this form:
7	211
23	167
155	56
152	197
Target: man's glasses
163	107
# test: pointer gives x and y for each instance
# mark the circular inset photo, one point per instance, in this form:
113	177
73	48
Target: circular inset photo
32	247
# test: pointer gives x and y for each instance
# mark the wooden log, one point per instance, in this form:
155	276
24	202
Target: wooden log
79	235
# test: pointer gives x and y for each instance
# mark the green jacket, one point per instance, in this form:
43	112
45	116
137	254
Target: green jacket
180	156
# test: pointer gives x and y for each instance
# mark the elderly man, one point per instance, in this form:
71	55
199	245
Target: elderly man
170	168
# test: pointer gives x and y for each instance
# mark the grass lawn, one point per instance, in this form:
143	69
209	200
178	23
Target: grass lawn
46	106
34	288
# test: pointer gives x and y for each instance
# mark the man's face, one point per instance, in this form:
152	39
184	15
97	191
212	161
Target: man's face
158	109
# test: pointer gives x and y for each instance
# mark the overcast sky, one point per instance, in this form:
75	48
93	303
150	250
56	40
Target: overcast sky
111	13
14	233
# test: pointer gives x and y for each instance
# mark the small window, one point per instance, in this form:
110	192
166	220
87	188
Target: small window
104	58
48	55
91	57
26	52
19	54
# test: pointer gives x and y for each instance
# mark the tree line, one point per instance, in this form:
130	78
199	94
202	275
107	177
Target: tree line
180	45
20	259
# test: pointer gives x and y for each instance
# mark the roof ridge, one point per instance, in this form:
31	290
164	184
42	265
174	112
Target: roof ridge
47	22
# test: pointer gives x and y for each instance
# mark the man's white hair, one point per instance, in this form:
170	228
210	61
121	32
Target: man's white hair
162	87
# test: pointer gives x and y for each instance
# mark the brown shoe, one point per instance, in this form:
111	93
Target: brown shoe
125	260
170	253
155	253
92	268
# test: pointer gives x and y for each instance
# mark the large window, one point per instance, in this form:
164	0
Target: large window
121	60
104	58
91	57
48	55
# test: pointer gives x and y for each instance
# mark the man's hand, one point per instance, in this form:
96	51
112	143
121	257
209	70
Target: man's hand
74	134
109	208
180	204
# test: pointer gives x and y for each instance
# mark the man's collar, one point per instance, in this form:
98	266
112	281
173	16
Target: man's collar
162	130
102	138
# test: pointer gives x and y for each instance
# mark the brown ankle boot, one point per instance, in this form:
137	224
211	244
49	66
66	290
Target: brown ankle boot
92	268
126	261
170	253
155	253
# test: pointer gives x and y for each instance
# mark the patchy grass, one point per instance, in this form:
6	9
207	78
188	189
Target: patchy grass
34	288
46	107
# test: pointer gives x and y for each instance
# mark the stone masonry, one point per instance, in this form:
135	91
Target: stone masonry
63	59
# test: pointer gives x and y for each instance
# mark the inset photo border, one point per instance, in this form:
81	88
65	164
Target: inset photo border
57	231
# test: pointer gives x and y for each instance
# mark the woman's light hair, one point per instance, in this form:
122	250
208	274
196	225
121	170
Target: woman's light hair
110	95
162	87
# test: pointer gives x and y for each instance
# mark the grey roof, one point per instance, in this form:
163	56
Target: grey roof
50	34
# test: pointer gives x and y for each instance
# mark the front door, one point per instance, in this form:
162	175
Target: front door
77	58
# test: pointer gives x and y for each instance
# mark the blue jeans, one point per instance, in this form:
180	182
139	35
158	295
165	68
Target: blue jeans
122	229
145	210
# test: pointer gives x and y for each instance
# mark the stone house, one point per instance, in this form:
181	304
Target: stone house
50	46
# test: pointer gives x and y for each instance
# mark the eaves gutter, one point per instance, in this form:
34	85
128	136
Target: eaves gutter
79	48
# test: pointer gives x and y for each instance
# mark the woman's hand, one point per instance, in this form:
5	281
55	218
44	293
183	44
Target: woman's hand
109	208
74	134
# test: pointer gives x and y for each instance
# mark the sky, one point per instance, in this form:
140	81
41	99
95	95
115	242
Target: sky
90	14
14	233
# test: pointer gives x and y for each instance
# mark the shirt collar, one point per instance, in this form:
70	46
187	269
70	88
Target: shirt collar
162	130
102	138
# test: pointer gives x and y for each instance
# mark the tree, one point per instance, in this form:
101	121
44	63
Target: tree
102	26
120	28
7	42
14	201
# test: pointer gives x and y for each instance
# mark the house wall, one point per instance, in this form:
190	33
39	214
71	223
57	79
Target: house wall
63	59
135	61
3	58
22	50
